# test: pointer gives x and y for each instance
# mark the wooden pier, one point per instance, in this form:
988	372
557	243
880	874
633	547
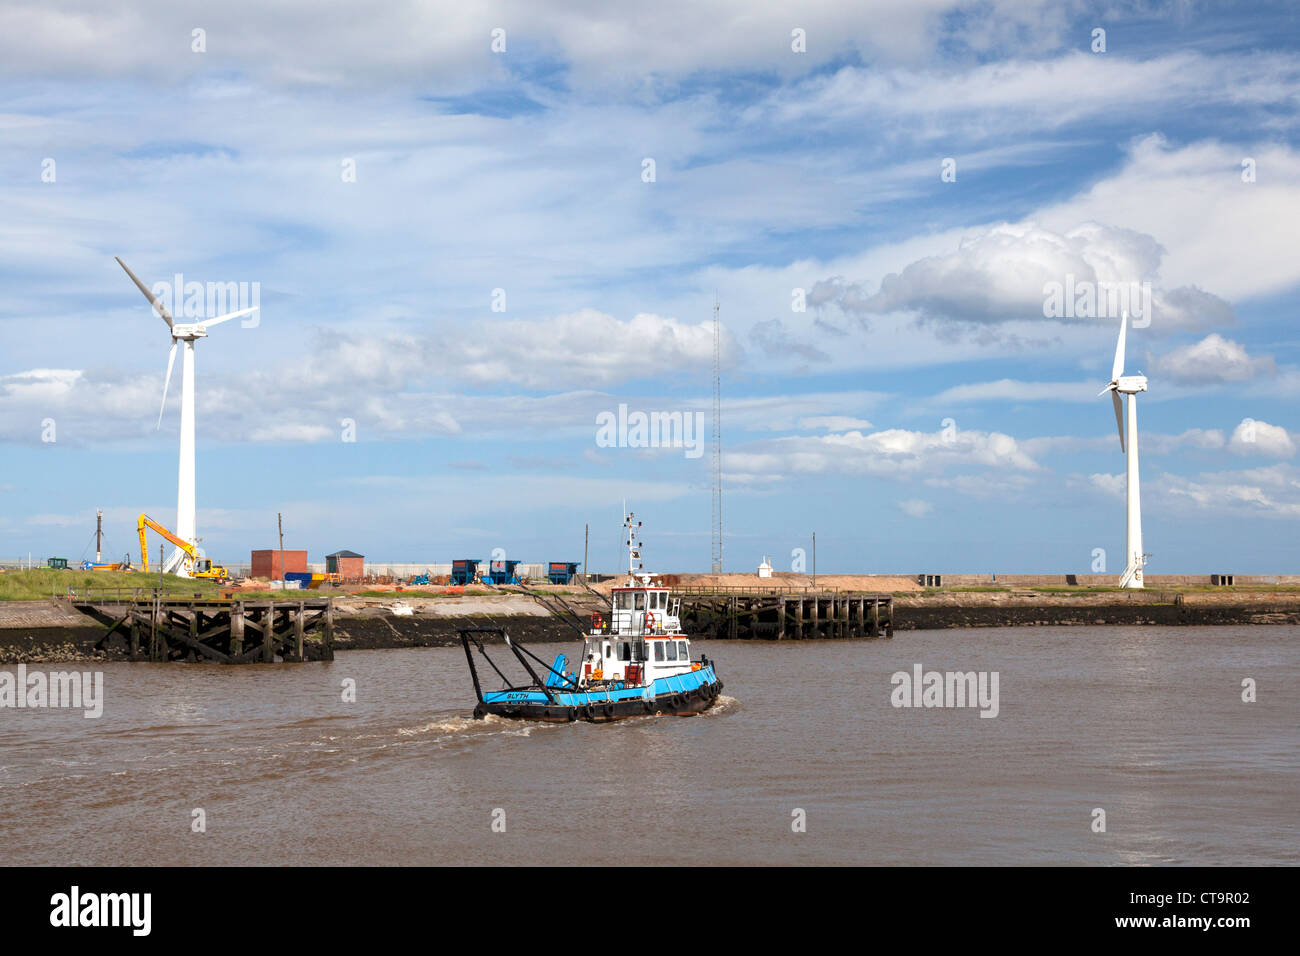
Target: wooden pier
172	626
784	613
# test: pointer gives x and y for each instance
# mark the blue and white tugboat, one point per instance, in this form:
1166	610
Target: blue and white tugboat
635	664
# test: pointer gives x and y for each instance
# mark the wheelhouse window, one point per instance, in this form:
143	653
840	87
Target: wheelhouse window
623	600
640	600
659	650
682	652
672	650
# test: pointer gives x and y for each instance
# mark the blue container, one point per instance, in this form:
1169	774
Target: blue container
463	571
561	572
503	572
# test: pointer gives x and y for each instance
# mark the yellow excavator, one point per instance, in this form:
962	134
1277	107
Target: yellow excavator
201	567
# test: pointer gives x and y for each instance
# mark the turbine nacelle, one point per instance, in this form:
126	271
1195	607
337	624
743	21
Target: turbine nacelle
1130	384
195	331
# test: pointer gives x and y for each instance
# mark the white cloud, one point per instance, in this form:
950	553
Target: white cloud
894	452
1011	390
1172	192
834	423
1116	486
1260	438
1012	95
1273	491
1005	272
584	346
916	507
408	39
1212	361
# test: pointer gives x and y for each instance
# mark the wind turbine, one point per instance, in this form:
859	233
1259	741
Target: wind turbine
186	528
1130	385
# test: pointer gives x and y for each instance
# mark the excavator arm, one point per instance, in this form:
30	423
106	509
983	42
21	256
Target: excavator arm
147	522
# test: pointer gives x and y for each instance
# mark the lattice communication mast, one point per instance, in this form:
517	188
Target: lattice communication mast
717	440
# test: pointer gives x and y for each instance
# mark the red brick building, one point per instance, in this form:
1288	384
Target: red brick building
348	565
267	564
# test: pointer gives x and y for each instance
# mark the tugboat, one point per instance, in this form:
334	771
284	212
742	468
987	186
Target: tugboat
635	664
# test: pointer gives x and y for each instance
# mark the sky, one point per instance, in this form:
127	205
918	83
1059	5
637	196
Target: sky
475	234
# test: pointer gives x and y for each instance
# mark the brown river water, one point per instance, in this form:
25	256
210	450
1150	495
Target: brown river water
1147	724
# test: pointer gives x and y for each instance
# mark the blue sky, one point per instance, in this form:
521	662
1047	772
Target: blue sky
920	413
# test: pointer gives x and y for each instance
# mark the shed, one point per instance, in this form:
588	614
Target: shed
348	565
275	564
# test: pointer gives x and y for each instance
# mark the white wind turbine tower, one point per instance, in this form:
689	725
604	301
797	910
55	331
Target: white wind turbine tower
1130	385
186	527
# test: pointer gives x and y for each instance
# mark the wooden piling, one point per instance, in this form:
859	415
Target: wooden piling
298	631
236	629
268	634
329	628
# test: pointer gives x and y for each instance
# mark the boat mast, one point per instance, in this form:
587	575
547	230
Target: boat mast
633	546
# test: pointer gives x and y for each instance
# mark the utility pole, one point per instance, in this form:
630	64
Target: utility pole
162	550
586	541
814	559
279	520
99	537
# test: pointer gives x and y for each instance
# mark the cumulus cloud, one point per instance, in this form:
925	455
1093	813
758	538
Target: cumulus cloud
1012	272
1260	438
1212	361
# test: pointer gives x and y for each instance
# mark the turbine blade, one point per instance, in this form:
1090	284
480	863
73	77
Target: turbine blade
1118	368
158	306
171	359
1119	417
208	323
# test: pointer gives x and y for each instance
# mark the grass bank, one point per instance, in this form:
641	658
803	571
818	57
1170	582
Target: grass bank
40	584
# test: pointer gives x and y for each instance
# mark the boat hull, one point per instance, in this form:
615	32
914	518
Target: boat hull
597	709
